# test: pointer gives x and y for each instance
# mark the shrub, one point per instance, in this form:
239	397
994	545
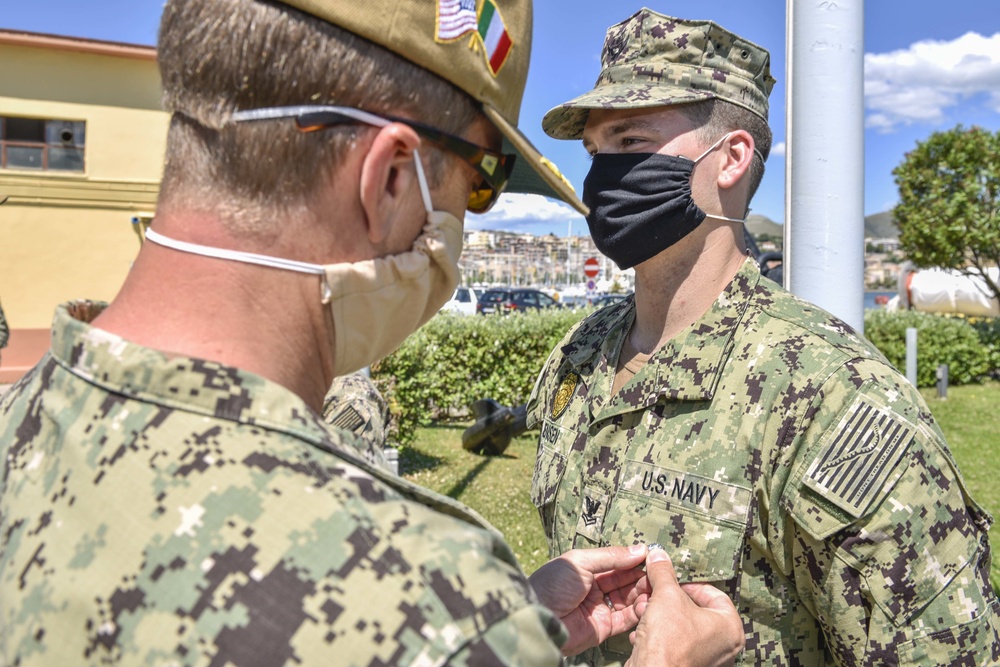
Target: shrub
453	361
988	329
940	340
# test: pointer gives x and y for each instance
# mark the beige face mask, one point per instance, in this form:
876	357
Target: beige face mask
376	303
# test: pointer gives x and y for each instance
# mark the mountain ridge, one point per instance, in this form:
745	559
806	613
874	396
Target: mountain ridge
877	226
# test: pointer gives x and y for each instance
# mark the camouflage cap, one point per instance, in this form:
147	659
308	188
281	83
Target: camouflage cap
481	46
652	60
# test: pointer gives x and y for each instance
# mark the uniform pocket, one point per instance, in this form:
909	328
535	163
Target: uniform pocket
701	522
549	468
972	643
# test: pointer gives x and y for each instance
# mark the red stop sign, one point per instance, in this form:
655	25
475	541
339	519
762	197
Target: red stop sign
590	268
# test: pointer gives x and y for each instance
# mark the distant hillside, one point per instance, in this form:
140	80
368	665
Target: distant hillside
759	225
881	226
877	226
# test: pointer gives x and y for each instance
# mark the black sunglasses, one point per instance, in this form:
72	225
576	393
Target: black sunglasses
494	168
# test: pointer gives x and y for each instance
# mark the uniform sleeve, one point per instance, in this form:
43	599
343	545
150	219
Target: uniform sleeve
536	402
516	641
454	596
319	566
889	551
354	404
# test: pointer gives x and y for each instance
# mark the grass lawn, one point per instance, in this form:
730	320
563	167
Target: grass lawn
495	486
498	487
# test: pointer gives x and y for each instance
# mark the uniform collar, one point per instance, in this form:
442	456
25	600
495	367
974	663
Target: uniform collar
689	365
175	382
686	368
198	386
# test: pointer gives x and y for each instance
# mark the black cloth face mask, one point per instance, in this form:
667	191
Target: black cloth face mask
641	204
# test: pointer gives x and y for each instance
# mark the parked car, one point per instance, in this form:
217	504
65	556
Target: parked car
463	301
573	301
609	299
512	300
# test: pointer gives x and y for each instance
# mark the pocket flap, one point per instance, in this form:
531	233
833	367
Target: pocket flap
549	468
700	521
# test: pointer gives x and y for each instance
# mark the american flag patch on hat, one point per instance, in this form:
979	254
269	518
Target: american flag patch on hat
456	18
858	455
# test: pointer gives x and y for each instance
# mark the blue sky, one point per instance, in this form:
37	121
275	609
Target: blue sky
928	66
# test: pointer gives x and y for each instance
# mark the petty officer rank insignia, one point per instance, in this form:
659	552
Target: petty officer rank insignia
565	393
858	456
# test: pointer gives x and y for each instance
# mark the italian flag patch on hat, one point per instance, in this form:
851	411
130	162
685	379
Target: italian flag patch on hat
494	34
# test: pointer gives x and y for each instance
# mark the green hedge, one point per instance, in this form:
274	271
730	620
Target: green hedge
454	360
940	340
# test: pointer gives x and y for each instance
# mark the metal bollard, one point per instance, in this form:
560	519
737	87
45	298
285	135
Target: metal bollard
392	458
911	355
942	381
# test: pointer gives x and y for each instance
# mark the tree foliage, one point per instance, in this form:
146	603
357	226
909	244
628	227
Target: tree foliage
949	209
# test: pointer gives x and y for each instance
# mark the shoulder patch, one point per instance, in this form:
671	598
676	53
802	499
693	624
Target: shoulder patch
347	419
565	393
858	455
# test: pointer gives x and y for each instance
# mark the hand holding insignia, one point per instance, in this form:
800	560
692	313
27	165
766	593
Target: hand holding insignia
594	592
696	623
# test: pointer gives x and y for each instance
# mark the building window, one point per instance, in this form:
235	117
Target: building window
37	143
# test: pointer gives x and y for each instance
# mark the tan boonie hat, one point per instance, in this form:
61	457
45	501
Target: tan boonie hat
652	60
480	46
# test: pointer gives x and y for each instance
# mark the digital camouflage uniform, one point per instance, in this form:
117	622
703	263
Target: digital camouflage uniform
175	511
652	60
777	454
354	404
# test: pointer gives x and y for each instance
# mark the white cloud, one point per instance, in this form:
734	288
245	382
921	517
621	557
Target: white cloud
513	210
778	150
921	83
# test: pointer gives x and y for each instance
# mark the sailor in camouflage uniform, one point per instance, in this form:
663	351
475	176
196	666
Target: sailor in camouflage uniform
769	447
170	494
353	403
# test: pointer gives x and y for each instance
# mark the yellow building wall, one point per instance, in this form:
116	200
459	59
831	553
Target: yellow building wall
66	235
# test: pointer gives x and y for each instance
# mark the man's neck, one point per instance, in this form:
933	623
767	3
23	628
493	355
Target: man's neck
677	287
261	320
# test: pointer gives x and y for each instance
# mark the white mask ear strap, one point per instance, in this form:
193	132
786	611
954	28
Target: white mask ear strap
425	191
716	145
722	217
234	255
712	147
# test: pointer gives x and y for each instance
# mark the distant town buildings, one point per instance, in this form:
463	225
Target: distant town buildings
512	258
883	260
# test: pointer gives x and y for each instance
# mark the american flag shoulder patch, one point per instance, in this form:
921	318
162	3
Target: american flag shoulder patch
348	419
859	454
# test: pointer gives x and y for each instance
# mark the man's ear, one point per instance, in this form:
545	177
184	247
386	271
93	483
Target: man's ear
738	155
388	179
